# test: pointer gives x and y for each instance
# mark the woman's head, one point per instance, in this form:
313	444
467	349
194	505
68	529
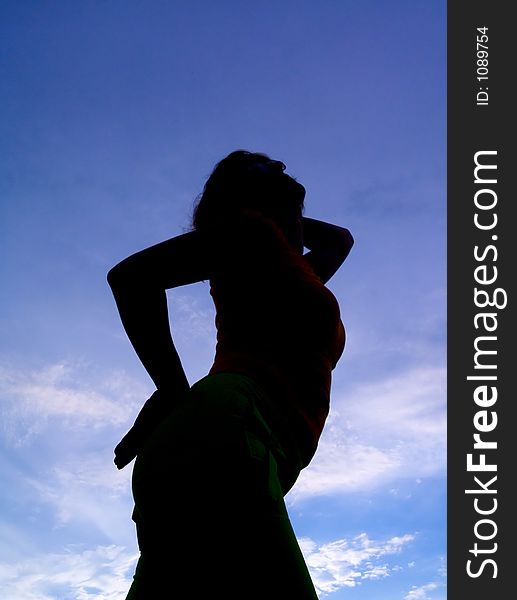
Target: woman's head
249	180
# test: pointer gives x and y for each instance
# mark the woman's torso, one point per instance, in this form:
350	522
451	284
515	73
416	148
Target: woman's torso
277	323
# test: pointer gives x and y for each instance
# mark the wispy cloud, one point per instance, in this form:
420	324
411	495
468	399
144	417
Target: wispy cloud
383	431
193	317
394	196
88	492
65	411
66	393
103	573
377	433
348	563
380	432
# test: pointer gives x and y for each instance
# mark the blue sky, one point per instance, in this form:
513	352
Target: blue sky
113	114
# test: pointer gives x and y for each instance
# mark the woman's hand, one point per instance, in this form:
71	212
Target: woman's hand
329	245
153	412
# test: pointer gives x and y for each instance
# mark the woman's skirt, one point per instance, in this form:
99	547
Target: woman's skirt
209	509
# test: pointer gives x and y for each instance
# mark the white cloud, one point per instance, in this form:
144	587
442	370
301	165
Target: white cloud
409	406
347	563
420	592
104	573
431	590
380	432
65	393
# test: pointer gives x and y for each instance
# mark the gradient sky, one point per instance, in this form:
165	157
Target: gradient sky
113	113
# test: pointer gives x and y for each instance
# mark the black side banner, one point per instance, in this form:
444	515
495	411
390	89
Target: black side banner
482	251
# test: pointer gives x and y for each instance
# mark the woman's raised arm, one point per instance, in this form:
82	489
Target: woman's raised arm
329	245
139	283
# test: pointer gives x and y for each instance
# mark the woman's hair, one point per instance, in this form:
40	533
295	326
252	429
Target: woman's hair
248	180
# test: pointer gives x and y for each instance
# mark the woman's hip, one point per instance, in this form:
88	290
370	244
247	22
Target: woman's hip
215	450
222	415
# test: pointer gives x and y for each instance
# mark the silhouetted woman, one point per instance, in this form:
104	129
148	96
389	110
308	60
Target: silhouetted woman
214	461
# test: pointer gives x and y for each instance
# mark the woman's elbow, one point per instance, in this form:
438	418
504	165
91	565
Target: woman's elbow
132	274
118	275
345	242
348	237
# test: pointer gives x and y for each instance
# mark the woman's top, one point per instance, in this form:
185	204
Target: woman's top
276	322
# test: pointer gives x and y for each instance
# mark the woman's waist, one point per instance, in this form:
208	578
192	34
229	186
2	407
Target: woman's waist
291	374
296	399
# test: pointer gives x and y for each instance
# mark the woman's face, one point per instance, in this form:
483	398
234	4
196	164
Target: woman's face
273	171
